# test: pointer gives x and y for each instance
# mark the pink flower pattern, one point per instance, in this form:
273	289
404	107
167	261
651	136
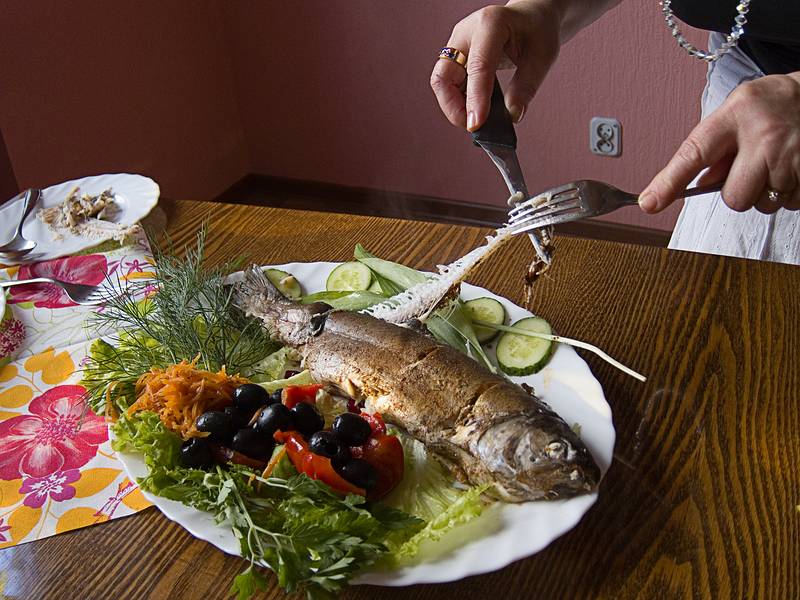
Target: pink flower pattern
52	437
135	266
12	334
3	529
88	270
56	485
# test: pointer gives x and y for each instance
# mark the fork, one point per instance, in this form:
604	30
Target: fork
580	200
85	295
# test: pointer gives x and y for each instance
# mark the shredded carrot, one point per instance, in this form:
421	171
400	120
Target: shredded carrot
181	393
273	462
111	412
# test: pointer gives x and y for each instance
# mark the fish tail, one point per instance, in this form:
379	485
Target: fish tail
255	293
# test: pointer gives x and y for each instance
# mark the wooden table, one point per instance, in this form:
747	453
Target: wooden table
701	498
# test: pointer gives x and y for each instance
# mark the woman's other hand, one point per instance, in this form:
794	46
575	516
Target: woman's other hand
752	141
522	34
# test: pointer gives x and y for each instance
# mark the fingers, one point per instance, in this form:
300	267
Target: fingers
792	201
765	204
484	57
713	139
523	87
717	172
784	182
448	82
746	181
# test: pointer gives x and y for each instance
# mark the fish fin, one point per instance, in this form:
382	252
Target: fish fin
421	300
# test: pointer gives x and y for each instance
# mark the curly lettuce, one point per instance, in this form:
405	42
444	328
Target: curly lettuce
313	539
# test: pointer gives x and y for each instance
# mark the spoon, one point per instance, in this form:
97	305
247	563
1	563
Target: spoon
19	246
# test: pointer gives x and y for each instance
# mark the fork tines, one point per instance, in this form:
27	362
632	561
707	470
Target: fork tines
543	210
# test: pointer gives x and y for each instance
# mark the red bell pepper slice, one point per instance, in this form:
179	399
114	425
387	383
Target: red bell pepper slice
375	421
385	453
295	394
315	466
223	454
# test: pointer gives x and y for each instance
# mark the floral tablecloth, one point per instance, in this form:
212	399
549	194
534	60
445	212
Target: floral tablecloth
57	469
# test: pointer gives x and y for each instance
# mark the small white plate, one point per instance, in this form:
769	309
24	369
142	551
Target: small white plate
512	531
136	196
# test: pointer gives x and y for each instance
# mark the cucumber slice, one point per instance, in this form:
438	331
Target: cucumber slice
488	310
285	282
522	354
349	277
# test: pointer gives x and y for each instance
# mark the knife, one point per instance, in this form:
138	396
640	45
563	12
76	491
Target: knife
499	140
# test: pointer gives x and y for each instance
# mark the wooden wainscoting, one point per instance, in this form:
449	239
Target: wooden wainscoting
263	190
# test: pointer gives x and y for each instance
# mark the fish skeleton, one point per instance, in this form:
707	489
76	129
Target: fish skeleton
487	429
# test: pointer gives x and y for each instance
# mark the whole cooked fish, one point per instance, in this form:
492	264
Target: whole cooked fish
486	428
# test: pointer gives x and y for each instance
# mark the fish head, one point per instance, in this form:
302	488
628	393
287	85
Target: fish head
536	457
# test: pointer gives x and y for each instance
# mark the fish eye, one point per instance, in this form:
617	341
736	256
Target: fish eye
556	449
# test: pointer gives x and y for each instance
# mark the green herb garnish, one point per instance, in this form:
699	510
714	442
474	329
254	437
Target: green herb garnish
189	313
313	539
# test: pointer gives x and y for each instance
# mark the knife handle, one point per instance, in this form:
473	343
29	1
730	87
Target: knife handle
498	128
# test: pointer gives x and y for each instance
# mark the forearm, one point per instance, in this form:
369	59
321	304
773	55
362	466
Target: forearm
573	15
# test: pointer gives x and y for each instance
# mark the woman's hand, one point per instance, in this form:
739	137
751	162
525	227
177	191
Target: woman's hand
752	141
523	34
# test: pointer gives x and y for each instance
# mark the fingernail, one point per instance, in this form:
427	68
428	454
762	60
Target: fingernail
472	121
517	112
647	201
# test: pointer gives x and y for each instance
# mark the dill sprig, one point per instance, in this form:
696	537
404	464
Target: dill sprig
190	314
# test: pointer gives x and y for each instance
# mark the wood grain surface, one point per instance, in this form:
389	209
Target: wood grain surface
701	498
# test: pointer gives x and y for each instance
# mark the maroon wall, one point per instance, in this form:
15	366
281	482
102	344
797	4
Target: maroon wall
99	87
198	93
338	91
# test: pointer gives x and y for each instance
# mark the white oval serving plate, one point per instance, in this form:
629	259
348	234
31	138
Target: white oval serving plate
516	530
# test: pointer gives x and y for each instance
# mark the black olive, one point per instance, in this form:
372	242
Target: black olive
358	472
273	418
328	445
241	419
196	453
276	397
249	397
352	429
252	443
220	425
307	419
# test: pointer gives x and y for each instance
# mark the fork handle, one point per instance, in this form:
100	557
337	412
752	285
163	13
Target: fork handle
688	193
498	128
703	189
13	282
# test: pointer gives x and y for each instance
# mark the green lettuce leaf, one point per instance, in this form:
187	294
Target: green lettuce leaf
428	491
345	300
464	509
144	433
271	368
313	539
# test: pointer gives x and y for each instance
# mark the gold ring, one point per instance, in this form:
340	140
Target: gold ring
454	54
774	195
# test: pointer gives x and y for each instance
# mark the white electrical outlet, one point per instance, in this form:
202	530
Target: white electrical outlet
605	136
